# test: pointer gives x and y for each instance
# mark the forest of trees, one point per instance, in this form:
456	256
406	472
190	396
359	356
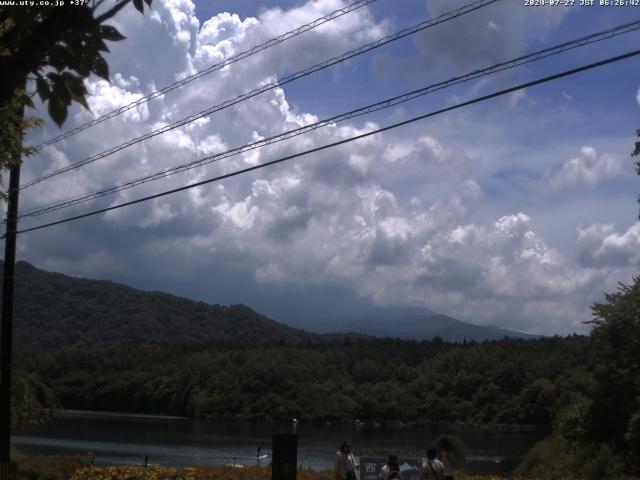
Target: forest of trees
597	435
515	382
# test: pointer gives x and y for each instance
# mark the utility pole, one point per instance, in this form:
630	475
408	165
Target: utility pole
6	329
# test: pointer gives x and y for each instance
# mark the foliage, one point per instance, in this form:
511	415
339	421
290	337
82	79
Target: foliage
57	48
71	469
32	400
597	435
60	468
549	458
49	49
555	457
191	473
13	126
636	153
613	416
377	380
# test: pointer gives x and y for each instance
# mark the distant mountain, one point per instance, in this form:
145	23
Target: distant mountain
413	324
52	309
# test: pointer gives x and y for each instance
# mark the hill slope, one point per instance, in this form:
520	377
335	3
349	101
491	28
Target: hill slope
52	309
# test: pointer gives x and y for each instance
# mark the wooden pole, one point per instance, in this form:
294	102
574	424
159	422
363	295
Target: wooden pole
6	328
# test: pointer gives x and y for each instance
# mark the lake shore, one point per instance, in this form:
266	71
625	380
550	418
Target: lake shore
125	439
70	468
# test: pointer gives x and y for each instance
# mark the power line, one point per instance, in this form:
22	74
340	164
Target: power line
218	66
483	98
532	57
270	86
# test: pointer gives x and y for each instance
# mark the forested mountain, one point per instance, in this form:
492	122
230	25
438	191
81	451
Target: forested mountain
156	353
52	309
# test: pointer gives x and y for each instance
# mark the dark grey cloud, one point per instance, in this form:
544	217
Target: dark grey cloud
492	34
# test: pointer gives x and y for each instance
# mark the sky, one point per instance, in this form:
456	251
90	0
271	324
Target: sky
518	212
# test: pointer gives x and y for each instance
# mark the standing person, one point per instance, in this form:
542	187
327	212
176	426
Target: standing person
447	457
432	469
391	469
346	463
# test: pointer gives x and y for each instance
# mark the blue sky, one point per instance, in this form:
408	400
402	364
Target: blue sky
519	211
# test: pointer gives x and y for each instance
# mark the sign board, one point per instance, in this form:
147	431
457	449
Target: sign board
370	467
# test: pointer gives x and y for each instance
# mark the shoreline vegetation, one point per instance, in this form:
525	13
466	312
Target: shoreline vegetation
492	428
73	468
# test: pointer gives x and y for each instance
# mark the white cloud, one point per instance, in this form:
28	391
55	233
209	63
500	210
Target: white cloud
105	96
586	170
390	217
601	245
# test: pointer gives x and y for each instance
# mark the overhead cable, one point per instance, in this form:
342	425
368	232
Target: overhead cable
390	102
218	66
483	98
270	86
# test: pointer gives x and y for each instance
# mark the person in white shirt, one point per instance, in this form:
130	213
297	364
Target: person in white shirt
346	463
432	468
391	469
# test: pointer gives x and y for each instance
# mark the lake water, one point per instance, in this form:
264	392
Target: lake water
127	439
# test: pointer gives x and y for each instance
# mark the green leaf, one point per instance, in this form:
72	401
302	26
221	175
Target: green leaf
62	57
111	33
57	110
139	5
60	90
94	42
100	67
43	88
76	89
85	63
101	46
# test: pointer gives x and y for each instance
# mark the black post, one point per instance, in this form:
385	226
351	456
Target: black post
284	456
6	331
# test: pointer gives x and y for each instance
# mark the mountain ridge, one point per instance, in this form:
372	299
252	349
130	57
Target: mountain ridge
54	309
418	327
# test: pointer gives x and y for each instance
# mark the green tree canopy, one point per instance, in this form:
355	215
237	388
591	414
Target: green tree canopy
50	50
613	416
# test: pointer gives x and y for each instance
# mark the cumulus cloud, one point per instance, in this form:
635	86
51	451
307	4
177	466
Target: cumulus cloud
600	245
389	218
586	170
